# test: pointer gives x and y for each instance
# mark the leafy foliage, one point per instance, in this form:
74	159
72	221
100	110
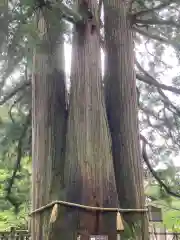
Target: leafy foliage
15	206
170	205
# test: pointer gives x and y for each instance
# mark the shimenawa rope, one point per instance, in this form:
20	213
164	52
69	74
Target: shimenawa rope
54	213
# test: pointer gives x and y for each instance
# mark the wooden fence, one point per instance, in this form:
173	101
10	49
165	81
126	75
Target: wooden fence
15	235
160	232
24	235
164	236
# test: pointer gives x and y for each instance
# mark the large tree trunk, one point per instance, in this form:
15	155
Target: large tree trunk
89	168
48	132
120	89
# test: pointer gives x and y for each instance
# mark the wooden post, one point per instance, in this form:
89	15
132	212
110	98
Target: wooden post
12	233
118	236
155	214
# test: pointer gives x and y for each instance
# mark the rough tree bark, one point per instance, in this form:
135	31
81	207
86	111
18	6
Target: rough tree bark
4	12
48	131
120	90
89	168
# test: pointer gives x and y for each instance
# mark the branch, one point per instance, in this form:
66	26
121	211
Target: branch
100	7
158	38
156	21
156	58
13	92
19	155
130	6
15	202
153	172
12	106
167	102
161	204
67	13
152	81
64	11
157	8
151	112
138	96
153	36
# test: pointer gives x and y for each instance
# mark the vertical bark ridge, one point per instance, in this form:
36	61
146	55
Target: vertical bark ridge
48	133
120	89
89	167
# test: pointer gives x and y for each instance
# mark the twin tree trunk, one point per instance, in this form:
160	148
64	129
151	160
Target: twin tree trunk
90	155
89	165
121	103
48	131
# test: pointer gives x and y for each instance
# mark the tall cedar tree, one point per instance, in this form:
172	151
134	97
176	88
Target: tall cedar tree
48	129
49	109
88	166
120	89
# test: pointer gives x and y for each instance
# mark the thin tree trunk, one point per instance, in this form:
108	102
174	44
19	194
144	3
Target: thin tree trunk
120	89
4	34
89	167
48	132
